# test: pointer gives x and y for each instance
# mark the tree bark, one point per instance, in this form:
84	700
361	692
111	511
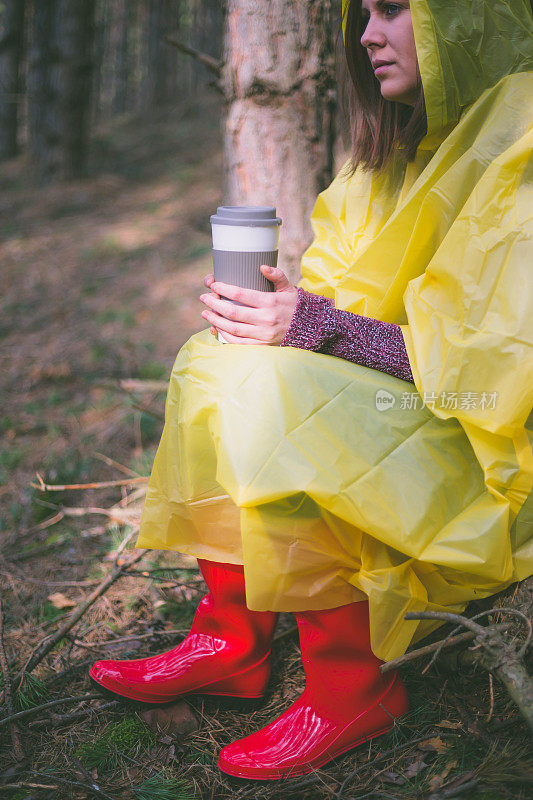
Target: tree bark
280	88
59	87
11	48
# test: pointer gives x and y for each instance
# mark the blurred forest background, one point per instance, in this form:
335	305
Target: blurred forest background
123	124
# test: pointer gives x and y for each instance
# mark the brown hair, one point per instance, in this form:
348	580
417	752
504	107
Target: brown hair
378	126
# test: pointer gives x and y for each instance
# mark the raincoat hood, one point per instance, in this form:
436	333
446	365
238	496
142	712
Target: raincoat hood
464	48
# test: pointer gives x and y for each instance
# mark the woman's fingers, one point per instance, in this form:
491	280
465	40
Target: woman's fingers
240	330
248	297
232	311
231	339
208	280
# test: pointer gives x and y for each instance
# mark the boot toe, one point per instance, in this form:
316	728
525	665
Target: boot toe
234	760
105	670
115	677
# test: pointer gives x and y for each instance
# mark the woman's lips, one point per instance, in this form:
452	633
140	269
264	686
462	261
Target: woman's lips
382	68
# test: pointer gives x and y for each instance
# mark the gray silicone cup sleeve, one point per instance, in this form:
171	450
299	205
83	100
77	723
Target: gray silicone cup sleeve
242	269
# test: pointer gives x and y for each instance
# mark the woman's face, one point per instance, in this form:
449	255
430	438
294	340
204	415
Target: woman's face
388	38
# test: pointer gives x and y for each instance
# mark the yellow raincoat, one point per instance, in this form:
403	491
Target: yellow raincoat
331	481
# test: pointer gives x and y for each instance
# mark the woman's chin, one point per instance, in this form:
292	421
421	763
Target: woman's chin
396	95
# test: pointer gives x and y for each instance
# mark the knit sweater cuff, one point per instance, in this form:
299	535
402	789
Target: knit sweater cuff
317	325
309	329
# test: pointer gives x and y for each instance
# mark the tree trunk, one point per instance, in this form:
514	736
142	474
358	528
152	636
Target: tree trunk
99	68
206	25
158	24
59	85
120	37
11	47
280	88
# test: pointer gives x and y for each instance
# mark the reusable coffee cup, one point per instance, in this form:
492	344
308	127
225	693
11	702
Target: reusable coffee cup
244	238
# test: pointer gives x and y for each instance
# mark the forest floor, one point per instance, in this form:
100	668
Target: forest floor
99	289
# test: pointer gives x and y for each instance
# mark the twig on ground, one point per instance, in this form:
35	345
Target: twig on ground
50	642
116	514
116	464
126	540
491	690
134	385
25	785
8	689
47	523
29	712
51	487
93	788
133	638
496	654
56	720
424	651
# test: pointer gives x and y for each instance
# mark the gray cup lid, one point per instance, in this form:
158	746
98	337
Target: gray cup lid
251	216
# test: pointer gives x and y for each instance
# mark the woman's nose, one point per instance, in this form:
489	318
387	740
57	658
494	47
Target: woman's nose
373	34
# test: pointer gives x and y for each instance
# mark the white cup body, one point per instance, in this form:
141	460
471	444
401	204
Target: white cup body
244	238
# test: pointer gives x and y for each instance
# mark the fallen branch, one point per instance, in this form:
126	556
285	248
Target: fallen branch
94	788
28	786
132	638
29	712
134	385
56	720
55	487
424	651
116	464
496	654
8	689
50	642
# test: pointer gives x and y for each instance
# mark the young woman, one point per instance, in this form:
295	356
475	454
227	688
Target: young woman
311	477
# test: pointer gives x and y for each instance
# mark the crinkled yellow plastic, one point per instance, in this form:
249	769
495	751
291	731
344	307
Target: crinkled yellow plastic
331	481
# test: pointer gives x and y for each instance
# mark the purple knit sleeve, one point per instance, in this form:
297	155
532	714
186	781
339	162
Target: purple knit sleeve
317	325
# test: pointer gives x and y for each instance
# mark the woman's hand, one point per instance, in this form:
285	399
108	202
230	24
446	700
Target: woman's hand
264	317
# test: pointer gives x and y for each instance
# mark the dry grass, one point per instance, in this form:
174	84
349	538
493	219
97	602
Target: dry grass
99	284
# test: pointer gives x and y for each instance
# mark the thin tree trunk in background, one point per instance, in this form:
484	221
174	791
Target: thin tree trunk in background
156	71
206	26
279	83
11	47
120	38
79	39
59	85
42	90
99	49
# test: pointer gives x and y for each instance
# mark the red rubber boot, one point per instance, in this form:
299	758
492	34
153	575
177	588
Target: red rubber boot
227	651
346	701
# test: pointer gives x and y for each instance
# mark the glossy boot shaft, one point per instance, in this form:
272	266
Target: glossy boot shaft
227	651
346	701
